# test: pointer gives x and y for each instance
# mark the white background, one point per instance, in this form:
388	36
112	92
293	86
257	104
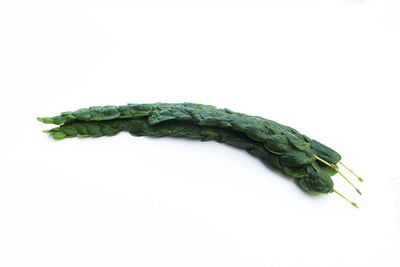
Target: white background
327	68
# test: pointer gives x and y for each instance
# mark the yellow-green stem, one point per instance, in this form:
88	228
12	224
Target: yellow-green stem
358	177
336	169
351	202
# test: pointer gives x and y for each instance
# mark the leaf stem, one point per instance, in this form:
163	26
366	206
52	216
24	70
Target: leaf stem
351	202
347	168
336	169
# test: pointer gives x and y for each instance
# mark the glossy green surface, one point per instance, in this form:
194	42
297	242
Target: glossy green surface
279	146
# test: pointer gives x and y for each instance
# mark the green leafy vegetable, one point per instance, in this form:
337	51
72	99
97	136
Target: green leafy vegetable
282	147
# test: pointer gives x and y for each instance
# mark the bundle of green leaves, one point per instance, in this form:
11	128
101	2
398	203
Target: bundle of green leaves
280	146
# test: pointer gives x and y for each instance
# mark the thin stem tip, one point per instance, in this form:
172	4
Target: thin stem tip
351	202
347	168
337	169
